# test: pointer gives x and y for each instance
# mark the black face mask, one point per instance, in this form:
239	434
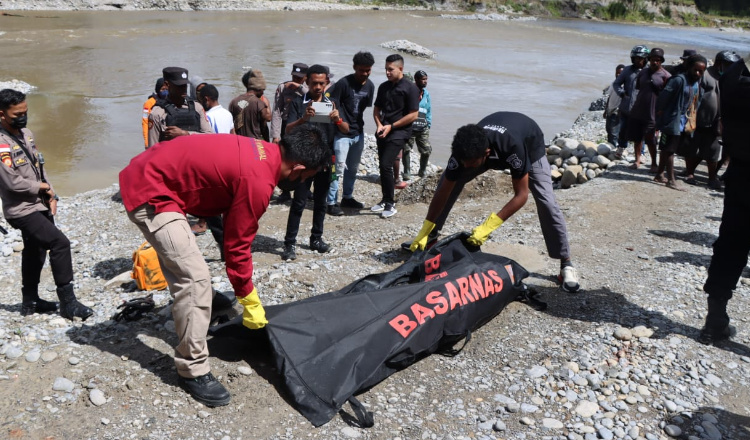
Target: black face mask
289	185
19	122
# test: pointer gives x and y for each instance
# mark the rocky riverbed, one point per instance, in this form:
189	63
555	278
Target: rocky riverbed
618	360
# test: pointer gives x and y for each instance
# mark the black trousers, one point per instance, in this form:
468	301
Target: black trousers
387	153
39	236
732	246
322	180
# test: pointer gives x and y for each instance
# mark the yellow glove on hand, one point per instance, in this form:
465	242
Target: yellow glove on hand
253	315
421	241
481	233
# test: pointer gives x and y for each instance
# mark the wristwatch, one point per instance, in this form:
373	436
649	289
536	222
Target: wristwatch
55	198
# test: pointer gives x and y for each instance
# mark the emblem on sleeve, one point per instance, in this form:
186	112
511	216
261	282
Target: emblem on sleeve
514	161
452	164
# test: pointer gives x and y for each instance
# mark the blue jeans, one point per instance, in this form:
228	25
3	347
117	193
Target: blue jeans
348	153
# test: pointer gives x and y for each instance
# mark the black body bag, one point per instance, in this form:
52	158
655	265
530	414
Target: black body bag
332	346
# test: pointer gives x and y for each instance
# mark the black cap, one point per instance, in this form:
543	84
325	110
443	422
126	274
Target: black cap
175	75
687	53
656	52
299	70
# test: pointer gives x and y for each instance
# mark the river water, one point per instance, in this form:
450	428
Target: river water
94	70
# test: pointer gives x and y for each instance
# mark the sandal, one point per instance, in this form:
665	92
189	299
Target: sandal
690	180
660	179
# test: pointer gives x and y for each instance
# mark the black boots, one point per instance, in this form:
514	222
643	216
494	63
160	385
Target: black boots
69	306
717	326
31	303
423	164
205	389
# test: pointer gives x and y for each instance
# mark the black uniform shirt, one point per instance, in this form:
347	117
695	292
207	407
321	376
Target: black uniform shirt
515	142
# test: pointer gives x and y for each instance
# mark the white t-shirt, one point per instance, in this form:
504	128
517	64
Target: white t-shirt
221	119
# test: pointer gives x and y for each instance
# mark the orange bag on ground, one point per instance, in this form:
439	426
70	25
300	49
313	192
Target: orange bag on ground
146	270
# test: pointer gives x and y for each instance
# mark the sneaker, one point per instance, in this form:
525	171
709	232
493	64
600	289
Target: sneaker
709	336
401	185
378	208
205	389
389	210
569	279
335	210
319	245
223	300
351	203
290	252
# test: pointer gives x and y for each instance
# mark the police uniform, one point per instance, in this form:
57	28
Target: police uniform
189	116
26	210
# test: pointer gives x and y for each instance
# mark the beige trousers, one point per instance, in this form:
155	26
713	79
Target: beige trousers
189	283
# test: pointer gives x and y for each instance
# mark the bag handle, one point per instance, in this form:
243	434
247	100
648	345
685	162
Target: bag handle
362	418
453	352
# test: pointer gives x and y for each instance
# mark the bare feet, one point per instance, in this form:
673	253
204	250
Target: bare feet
672	184
634	166
660	179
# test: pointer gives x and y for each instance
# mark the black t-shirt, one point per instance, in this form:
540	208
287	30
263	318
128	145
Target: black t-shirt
297	109
397	100
515	142
354	99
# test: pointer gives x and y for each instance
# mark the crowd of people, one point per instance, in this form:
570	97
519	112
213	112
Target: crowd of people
313	136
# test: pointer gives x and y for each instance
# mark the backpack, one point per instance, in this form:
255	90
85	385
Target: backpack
146	270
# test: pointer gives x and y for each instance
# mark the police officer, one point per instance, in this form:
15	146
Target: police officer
29	204
177	115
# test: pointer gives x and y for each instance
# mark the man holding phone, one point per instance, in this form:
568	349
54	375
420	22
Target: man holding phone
396	107
303	111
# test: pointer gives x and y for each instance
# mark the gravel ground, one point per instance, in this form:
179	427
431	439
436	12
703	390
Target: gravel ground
618	360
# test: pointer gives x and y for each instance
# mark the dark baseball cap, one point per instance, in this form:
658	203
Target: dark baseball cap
175	75
299	70
687	53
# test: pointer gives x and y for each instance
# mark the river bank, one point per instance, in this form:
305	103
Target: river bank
619	360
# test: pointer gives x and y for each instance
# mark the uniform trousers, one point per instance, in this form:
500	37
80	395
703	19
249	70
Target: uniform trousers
551	218
733	245
189	281
40	235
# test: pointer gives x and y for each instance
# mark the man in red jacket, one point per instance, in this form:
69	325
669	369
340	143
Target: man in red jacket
206	176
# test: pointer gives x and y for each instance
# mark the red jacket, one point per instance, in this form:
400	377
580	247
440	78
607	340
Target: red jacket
208	175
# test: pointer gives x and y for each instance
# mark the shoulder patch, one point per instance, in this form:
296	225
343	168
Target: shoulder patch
6	160
514	161
452	164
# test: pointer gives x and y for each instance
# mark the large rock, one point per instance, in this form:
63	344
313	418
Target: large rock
591	152
556	175
582	178
579	153
407	46
553	149
590	174
572	160
558	162
585	145
564	154
551	158
570	176
604	148
567	144
602	161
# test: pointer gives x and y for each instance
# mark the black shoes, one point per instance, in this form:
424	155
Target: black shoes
38	305
290	252
351	203
70	308
205	389
223	300
319	245
711	335
335	210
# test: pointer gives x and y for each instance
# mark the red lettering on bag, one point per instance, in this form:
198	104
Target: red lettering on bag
509	269
432	264
436	276
463	287
436	298
476	286
496	277
403	325
489	288
453	296
421	312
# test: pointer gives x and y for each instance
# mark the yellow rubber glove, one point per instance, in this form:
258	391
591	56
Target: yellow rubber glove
481	233
253	315
421	241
